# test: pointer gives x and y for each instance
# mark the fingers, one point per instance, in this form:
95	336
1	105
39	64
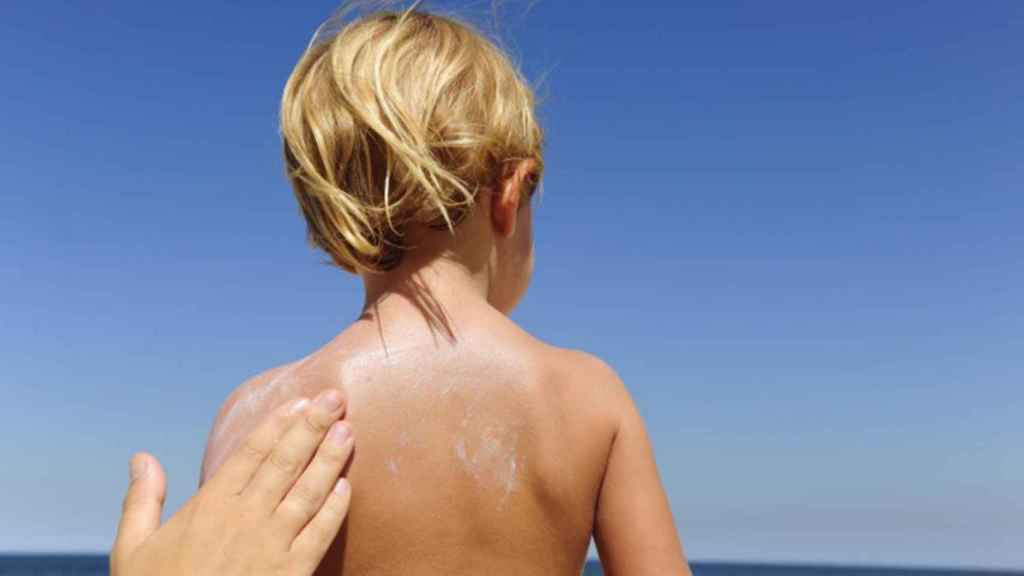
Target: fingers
143	503
315	485
312	543
286	461
238	470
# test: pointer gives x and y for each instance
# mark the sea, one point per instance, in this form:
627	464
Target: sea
29	565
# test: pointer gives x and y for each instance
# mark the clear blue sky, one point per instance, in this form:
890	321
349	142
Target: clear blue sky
795	228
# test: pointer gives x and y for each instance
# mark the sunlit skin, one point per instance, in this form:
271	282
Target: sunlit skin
274	507
482	450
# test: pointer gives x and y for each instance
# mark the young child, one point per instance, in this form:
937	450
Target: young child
413	149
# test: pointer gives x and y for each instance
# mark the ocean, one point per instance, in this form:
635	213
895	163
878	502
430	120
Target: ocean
29	565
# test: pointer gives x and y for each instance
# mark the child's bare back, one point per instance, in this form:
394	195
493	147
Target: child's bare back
482	454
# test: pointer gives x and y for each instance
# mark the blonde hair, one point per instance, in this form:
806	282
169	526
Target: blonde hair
400	118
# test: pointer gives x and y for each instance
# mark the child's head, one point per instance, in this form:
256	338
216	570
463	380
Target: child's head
399	121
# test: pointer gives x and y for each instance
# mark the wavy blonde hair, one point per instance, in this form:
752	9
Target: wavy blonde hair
400	118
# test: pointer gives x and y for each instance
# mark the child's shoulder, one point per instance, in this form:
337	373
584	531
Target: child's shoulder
588	383
244	407
569	366
580	368
259	393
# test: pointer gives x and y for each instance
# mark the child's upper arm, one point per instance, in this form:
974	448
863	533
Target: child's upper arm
216	450
633	524
228	428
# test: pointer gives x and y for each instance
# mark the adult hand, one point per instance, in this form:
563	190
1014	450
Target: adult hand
273	507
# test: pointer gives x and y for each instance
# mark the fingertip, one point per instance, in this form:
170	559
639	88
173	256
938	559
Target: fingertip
155	470
295	406
138	467
343	487
146	474
143	503
339	433
331	400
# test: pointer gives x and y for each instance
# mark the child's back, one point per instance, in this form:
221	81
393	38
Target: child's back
413	149
479	455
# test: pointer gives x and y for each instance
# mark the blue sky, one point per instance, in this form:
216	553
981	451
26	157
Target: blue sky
793	227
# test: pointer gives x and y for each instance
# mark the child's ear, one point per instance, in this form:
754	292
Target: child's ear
514	187
505	209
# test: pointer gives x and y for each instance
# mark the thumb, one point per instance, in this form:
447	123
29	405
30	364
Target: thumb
143	504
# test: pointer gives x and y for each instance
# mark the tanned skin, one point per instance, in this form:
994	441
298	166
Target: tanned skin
479	449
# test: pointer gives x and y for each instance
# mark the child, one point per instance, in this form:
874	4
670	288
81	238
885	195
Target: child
414	152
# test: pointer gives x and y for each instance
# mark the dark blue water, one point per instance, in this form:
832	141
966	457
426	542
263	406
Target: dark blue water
97	565
27	565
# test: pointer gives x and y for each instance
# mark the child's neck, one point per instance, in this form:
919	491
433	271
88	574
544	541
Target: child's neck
442	291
